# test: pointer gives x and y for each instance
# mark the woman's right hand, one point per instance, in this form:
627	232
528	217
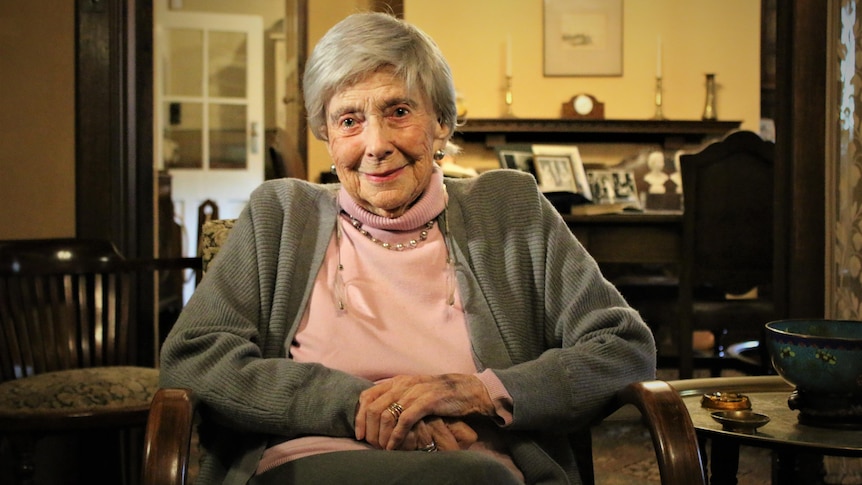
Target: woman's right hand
388	411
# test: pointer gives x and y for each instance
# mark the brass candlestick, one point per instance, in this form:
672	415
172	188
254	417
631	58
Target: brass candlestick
509	113
709	106
659	115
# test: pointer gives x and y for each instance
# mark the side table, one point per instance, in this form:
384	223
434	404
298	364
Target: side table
792	442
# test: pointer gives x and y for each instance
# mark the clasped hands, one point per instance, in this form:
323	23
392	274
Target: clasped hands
422	412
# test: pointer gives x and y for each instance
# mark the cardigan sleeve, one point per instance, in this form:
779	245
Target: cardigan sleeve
223	346
571	337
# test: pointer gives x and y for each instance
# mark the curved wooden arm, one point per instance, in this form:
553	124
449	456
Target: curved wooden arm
169	433
670	426
168	439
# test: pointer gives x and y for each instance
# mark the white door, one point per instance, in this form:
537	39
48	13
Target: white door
209	111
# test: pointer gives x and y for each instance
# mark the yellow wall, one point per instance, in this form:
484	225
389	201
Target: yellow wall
37	119
698	36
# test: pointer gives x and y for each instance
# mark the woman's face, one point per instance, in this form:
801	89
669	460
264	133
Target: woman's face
382	140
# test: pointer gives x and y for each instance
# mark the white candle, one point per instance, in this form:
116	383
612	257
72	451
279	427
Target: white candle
658	59
509	55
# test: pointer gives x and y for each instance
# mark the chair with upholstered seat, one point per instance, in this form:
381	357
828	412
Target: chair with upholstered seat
66	346
169	450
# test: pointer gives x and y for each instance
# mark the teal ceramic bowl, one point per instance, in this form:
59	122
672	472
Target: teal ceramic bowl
817	356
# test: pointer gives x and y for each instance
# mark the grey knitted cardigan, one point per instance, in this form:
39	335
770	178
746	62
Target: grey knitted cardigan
559	336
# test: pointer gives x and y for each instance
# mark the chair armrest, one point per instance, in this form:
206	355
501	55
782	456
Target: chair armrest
168	438
671	429
171	418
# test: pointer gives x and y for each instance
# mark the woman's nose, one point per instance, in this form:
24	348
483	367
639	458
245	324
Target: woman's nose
378	142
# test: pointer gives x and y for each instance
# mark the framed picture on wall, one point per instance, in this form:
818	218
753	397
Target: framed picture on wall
583	37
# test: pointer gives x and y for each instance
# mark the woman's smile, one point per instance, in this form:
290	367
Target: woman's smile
381	177
382	137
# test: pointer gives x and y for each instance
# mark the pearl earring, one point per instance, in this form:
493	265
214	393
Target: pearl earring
332	169
439	155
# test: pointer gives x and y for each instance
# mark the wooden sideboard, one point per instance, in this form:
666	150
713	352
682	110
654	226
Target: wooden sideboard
670	134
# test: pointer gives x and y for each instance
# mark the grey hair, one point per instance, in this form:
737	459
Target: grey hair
362	44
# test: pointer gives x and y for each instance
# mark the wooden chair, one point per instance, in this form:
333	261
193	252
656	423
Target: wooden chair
170	427
167	452
66	345
727	250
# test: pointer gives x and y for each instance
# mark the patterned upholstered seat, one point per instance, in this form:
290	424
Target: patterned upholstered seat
213	235
66	339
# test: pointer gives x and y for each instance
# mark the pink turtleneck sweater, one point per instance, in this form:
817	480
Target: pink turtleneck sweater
396	317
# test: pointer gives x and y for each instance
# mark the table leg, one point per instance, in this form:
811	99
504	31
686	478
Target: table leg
795	468
724	461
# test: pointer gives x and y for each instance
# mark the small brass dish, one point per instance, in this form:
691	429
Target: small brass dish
725	401
742	421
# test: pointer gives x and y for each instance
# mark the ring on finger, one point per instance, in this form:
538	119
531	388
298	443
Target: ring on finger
395	410
429	448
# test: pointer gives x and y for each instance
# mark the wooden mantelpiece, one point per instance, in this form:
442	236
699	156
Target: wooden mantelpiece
671	134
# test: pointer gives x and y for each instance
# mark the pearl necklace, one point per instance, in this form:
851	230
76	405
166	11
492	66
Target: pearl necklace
397	246
338	285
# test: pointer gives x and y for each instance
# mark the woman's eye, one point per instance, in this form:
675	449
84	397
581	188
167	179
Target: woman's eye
399	112
348	123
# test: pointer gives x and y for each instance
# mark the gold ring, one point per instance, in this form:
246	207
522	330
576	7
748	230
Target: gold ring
429	448
395	410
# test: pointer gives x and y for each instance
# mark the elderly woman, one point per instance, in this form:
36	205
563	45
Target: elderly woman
346	332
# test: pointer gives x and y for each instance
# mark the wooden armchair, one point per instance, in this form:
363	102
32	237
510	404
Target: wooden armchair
170	427
66	340
167	451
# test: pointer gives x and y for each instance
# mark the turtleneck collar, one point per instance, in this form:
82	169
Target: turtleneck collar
429	205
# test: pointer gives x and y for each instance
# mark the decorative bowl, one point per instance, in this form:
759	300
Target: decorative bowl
728	401
740	420
817	356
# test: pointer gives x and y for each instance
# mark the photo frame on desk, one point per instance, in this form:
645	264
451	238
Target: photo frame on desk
516	159
583	37
574	155
554	174
614	191
558	182
610	186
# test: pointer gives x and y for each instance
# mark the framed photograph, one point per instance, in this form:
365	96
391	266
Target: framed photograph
516	160
583	37
554	173
613	186
582	186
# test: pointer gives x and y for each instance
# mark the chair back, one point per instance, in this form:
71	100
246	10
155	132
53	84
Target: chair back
728	244
64	304
728	214
213	235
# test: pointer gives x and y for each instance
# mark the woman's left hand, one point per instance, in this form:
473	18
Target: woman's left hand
379	421
438	434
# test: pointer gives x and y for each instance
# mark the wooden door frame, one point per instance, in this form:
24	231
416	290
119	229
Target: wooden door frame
114	195
113	123
800	156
